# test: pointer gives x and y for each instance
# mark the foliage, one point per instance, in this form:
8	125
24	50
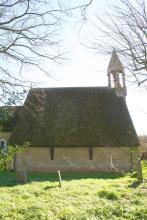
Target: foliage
5	115
108	194
8	154
78	198
145	169
12	97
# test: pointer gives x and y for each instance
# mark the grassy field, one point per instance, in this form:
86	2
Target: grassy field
81	197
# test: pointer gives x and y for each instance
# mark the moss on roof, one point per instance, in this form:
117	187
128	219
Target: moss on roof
85	116
8	117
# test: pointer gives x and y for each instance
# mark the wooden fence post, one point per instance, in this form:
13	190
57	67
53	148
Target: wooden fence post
59	178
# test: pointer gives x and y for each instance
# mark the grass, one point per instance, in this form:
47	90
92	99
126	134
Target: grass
81	197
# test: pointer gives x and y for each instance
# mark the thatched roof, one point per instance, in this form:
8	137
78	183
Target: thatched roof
8	117
86	116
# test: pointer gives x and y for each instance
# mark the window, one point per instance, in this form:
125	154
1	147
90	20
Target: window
90	153
52	153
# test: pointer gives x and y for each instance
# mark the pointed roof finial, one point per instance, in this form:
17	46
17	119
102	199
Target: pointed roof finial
115	65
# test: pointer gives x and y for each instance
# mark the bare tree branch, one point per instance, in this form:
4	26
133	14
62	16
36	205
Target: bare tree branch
124	27
30	34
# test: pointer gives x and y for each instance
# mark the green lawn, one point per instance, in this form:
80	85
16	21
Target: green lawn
82	196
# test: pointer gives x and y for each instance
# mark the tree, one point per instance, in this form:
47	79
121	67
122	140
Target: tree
29	35
7	153
124	27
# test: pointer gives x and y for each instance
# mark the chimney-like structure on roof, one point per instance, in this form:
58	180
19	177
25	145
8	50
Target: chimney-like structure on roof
116	70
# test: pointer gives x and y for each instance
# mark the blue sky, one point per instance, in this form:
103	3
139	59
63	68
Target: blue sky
84	68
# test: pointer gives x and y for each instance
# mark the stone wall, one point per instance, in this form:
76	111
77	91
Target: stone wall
108	159
143	146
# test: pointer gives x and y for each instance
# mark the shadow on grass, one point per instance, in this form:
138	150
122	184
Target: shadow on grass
135	184
51	187
9	179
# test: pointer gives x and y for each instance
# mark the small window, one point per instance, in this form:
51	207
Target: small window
90	153
52	153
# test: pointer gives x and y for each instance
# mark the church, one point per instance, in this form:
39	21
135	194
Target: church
77	129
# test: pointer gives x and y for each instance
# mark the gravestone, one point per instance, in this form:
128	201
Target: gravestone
21	176
20	170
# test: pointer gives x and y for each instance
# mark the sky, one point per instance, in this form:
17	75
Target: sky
85	68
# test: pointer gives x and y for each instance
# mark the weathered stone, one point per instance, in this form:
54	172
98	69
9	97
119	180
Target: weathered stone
21	176
105	159
144	156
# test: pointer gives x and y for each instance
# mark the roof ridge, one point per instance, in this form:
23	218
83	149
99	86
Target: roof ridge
11	106
74	87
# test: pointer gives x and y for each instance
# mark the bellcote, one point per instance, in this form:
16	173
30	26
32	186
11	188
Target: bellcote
116	75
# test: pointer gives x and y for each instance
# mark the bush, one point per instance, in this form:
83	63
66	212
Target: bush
8	154
110	195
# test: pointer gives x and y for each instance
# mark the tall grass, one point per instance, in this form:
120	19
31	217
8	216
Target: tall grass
81	197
